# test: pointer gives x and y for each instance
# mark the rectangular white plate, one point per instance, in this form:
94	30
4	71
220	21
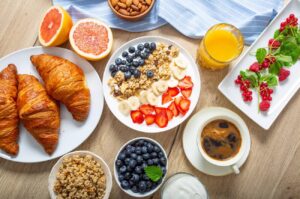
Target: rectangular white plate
283	92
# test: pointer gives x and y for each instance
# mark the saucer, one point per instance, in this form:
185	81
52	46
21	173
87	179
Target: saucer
191	149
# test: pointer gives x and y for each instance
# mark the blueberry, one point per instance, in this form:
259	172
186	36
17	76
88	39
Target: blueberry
223	125
138	169
139	159
163	161
145	177
122	156
127	75
125	184
161	154
127	151
144	149
147	51
137	53
132	163
152	46
156	149
153	155
125	54
118	61
127	176
131	49
216	143
135	63
142	186
150	74
155	161
123	169
150	147
132	69
134	189
121	177
113	74
146	45
145	143
128	64
133	156
139	143
140	47
135	178
150	162
124	62
141	62
149	184
206	143
129	59
136	73
124	68
146	156
119	163
131	183
127	160
138	150
113	68
144	55
132	149
231	137
144	165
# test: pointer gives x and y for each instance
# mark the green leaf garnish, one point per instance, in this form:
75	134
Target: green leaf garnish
270	79
154	173
261	54
251	76
275	68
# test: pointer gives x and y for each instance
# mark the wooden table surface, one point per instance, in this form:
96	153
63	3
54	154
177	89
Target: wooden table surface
271	171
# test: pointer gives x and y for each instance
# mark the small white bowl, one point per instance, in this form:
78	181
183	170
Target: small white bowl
129	192
106	170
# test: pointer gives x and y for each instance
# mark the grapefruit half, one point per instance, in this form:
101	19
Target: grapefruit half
55	27
91	39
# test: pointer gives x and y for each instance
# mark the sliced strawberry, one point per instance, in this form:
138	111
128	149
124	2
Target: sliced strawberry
186	92
169	114
177	103
159	109
173	91
147	109
186	83
150	119
137	116
166	97
161	119
172	107
185	104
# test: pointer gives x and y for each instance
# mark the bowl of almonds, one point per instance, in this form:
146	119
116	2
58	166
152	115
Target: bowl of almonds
131	10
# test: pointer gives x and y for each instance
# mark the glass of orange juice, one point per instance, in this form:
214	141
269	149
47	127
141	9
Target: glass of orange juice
222	44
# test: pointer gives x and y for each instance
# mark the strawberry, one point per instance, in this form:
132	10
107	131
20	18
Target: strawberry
177	103
159	109
185	104
166	97
169	114
150	119
186	83
254	67
283	74
173	91
147	109
161	119
186	92
172	107
137	116
264	105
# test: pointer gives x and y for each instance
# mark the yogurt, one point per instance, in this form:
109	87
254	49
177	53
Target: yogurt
183	185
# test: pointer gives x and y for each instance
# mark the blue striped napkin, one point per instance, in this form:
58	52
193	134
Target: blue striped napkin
190	17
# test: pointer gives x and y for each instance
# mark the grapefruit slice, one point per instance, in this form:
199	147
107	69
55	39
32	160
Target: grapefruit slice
91	39
55	27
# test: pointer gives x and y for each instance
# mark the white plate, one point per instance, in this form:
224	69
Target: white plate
72	133
282	94
112	102
190	144
104	166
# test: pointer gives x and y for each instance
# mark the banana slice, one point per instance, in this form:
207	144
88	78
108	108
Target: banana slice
180	63
154	89
143	97
152	99
134	102
162	86
124	107
172	82
178	73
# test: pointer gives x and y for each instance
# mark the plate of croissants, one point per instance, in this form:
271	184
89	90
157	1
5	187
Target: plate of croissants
51	100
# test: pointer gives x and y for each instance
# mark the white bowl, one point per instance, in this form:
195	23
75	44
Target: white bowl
129	192
106	170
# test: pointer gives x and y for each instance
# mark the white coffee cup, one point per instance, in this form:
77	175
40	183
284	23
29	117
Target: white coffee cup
231	162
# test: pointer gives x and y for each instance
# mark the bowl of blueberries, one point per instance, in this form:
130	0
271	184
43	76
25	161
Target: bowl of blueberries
140	167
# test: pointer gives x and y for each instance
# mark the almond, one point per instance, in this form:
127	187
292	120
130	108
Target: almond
128	9
148	2
123	1
114	2
128	3
143	8
123	11
135	7
139	5
136	2
134	13
122	5
117	7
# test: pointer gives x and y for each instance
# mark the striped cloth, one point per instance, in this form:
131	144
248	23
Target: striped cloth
190	17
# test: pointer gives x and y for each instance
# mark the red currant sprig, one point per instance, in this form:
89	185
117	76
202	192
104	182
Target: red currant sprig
265	93
244	87
291	21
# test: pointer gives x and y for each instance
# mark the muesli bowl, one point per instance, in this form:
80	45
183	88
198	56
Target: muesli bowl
103	178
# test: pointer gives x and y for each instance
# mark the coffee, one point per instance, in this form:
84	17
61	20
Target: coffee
221	139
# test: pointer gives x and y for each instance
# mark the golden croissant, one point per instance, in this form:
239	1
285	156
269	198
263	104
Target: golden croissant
65	82
9	130
38	112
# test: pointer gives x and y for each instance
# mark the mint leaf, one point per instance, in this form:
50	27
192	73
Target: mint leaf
251	76
261	55
270	79
289	47
275	68
287	60
154	173
276	34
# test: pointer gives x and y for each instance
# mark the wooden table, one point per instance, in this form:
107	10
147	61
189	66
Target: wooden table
271	171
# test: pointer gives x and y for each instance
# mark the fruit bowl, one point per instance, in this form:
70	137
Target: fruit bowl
130	162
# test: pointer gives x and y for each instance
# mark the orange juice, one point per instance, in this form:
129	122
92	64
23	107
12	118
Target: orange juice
221	44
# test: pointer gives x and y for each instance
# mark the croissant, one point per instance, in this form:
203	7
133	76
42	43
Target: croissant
38	112
9	130
65	82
